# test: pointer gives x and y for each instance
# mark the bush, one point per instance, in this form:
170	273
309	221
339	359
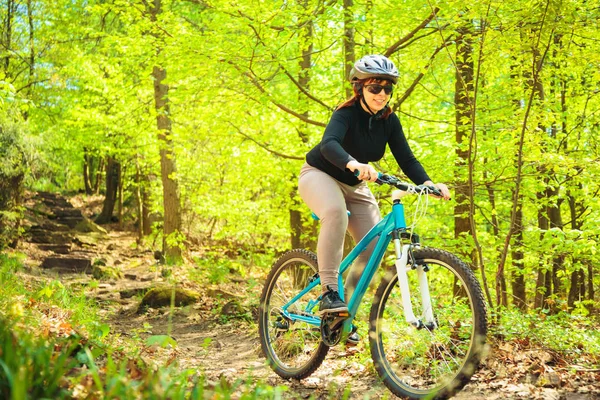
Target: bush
12	173
33	367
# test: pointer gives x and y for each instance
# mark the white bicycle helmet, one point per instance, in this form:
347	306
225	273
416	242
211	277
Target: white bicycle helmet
374	66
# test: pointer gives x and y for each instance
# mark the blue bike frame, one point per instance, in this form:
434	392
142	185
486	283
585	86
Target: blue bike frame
394	221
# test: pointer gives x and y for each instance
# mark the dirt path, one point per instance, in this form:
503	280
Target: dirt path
231	350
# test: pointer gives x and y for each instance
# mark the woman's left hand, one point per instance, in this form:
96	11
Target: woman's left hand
441	187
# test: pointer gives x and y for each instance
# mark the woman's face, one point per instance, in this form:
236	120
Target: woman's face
377	101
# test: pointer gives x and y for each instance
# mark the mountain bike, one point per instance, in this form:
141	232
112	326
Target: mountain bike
431	354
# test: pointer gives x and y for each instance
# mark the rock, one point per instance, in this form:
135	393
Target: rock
232	308
86	225
223	294
100	261
129	293
90	239
102	272
550	380
159	257
161	297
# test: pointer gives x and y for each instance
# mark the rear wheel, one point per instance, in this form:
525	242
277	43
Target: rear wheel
429	362
293	348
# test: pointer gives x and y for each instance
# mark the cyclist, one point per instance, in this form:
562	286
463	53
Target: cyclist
356	134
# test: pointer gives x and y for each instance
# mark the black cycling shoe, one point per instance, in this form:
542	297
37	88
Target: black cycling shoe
332	303
353	337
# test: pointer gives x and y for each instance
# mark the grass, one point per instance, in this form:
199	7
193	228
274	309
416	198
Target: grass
54	345
568	334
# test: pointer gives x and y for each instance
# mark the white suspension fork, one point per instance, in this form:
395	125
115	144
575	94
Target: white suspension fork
401	267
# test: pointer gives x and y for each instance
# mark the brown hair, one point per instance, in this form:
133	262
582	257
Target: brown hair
357	86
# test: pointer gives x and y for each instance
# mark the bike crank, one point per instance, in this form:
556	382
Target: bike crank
331	327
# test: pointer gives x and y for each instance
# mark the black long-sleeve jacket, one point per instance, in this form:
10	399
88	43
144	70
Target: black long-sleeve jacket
347	137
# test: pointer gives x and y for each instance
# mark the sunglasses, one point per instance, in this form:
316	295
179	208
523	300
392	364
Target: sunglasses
376	89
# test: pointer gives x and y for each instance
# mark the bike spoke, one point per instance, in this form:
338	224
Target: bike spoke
293	347
427	360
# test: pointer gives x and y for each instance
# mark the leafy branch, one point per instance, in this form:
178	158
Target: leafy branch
264	146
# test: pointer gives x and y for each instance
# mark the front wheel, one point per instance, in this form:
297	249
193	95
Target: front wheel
293	348
429	362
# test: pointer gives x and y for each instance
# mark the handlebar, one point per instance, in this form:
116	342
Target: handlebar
384	179
391	180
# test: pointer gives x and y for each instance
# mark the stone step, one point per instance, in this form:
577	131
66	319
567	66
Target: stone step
48	226
48	195
50	238
67	213
56	202
71	222
68	264
56	248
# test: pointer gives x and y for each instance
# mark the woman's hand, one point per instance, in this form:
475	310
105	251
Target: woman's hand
441	187
365	171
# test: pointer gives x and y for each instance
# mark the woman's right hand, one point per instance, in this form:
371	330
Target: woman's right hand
365	171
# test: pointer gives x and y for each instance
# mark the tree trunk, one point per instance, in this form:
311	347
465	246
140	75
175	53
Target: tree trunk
146	220
98	174
295	220
86	172
299	238
112	185
577	289
463	88
518	280
139	203
534	84
349	54
31	59
541	288
590	286
171	203
519	287
7	37
120	198
582	291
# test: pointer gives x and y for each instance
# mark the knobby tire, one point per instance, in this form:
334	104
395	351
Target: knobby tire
432	364
292	349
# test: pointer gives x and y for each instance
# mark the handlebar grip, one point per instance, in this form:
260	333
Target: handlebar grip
435	191
357	172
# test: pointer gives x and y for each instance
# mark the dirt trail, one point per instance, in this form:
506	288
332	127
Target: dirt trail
232	350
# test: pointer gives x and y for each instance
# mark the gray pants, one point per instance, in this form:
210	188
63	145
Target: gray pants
330	200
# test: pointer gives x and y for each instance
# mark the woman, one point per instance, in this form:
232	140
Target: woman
357	133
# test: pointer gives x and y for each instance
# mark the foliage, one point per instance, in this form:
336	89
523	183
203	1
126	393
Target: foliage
12	174
252	88
32	367
48	349
563	332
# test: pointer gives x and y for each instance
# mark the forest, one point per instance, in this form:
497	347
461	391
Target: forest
179	127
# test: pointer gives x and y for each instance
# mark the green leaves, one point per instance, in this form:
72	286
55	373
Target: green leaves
250	86
163	341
